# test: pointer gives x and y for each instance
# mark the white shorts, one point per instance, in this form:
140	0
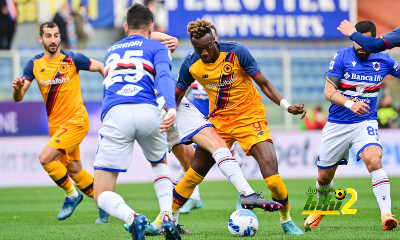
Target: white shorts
122	125
189	121
337	139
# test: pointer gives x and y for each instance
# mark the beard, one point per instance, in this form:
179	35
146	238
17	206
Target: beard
47	47
361	56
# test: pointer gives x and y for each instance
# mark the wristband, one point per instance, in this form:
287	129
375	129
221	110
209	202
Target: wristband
284	104
171	111
348	104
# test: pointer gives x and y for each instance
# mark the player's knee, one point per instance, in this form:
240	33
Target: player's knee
373	163
45	158
324	178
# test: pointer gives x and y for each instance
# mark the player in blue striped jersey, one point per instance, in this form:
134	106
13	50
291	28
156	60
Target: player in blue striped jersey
352	85
133	67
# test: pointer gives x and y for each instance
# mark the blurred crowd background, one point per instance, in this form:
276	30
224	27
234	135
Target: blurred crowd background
292	40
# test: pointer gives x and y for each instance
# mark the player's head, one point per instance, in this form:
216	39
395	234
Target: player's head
50	37
214	32
367	28
203	40
139	19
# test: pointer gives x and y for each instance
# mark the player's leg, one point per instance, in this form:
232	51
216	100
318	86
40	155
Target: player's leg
371	154
239	160
114	155
185	154
334	151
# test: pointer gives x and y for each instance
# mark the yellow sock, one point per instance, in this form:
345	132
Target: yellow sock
185	188
279	193
158	220
84	181
58	172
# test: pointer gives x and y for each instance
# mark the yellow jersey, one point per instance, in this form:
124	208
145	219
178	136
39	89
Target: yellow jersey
58	81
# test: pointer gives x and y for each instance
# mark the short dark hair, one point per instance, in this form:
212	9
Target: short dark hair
47	25
139	17
366	26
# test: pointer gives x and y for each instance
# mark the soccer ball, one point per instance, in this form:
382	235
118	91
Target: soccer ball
340	194
243	223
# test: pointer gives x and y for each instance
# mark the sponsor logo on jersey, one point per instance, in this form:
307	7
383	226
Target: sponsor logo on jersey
221	84
353	63
204	76
346	75
54	81
376	65
373	78
129	90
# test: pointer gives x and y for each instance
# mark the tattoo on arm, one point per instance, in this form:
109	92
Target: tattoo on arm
330	97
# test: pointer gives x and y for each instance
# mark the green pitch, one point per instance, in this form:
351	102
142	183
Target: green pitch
31	213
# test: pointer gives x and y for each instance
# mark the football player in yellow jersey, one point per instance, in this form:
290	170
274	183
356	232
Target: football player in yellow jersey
226	71
57	75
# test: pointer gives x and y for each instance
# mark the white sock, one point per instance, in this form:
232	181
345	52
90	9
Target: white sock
196	193
73	195
381	188
163	187
324	190
230	168
115	205
179	177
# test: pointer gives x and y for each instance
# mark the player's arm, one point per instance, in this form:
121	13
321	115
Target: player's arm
272	93
20	86
332	95
96	66
369	43
171	42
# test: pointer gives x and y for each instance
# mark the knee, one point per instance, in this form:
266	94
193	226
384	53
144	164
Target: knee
324	179
373	163
45	158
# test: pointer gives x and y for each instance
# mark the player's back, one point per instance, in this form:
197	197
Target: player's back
58	81
130	71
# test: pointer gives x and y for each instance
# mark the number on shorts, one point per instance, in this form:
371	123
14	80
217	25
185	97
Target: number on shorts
372	131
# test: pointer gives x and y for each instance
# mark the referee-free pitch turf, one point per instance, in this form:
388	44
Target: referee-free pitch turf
31	213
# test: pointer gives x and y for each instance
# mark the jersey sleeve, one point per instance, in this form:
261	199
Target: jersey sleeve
395	68
336	66
246	60
371	44
28	71
393	38
81	61
162	55
185	78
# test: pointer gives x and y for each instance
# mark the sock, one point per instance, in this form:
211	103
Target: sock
58	172
115	205
163	187
229	167
179	177
196	194
381	188
84	181
157	222
324	190
279	194
185	188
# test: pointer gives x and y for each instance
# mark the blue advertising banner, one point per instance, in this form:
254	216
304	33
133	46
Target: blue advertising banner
30	118
273	19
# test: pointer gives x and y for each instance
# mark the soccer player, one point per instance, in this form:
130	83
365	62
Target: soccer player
133	67
226	70
371	44
352	85
57	75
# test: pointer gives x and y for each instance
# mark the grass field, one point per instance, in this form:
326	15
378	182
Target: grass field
31	213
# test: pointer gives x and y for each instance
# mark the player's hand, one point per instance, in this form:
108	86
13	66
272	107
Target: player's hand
298	108
171	42
18	83
346	28
168	120
360	108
